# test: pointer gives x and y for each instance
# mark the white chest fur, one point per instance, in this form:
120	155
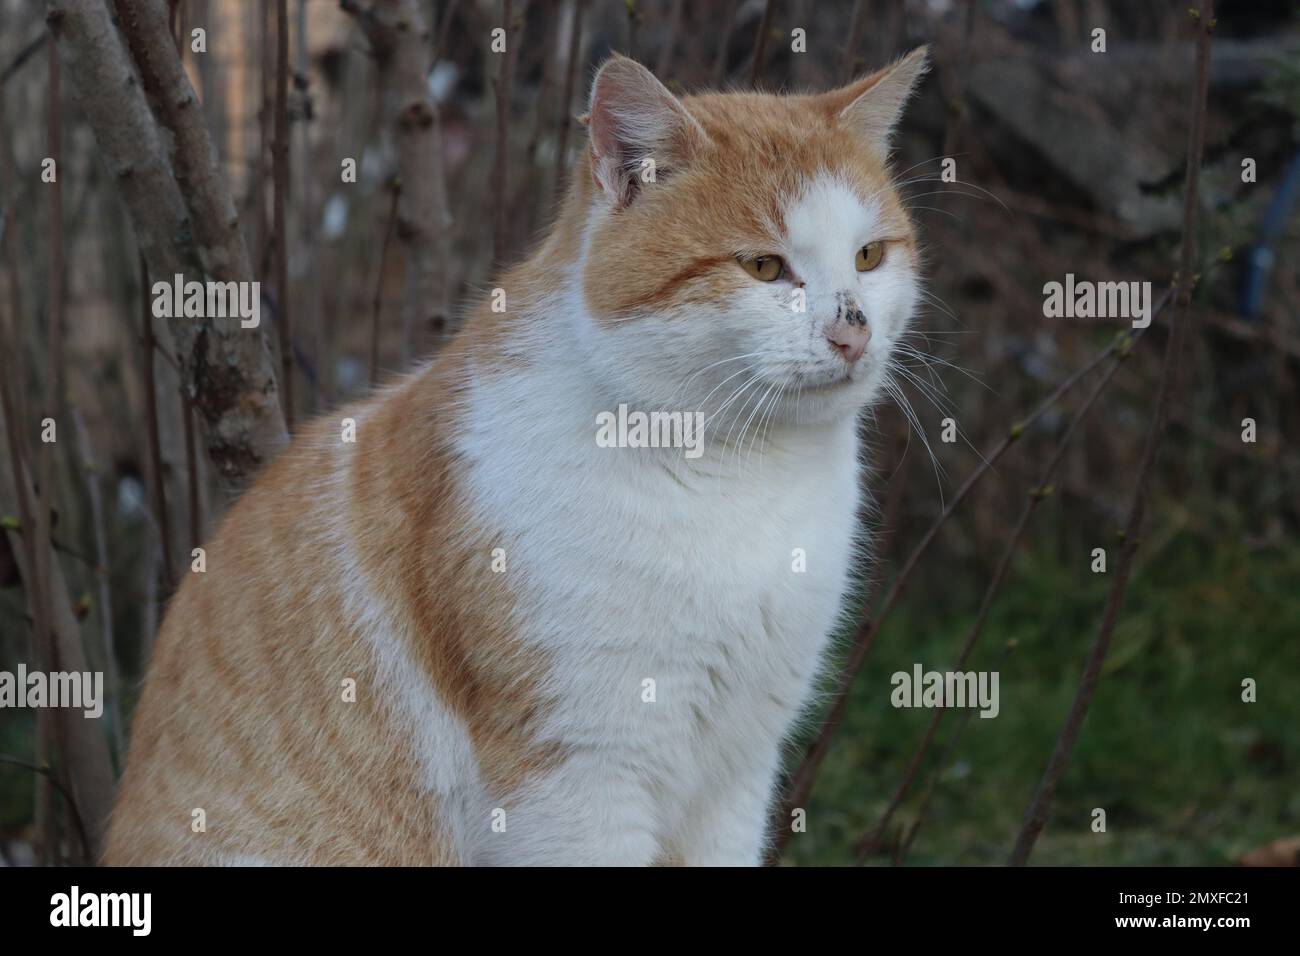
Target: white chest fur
684	610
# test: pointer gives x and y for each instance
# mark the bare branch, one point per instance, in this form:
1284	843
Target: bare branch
280	163
503	84
40	589
857	24
760	46
800	785
84	748
728	18
399	43
1036	815
52	778
227	369
868	845
191	471
566	102
95	493
157	481
376	307
23	55
665	62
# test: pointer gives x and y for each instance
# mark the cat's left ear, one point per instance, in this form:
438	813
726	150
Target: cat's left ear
873	105
636	124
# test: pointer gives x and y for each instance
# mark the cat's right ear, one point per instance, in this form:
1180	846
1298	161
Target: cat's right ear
636	124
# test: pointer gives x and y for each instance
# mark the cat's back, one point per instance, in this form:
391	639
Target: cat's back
262	732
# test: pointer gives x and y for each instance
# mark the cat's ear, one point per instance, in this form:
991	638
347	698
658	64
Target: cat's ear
636	125
873	105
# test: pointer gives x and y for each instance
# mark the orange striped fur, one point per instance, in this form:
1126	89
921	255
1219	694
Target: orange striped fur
483	695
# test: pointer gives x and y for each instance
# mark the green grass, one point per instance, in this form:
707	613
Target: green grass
1186	772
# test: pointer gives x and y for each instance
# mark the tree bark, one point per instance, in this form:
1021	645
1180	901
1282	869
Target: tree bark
82	743
185	222
400	43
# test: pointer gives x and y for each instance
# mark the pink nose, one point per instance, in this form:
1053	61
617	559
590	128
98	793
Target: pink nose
849	339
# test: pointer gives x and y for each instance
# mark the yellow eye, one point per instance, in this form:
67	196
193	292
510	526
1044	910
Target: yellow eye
764	268
870	256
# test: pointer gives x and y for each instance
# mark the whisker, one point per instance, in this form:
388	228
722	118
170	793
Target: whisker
735	358
700	407
931	357
937	301
910	414
764	423
757	406
734	395
945	410
962	182
943	212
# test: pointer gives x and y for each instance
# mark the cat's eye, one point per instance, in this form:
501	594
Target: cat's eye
870	256
764	268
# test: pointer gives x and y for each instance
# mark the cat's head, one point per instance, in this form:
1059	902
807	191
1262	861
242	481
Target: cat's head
744	251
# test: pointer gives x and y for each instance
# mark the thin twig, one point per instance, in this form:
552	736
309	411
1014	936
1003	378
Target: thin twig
724	43
941	762
9	523
670	40
53	780
174	15
94	491
33	587
868	845
46	811
44	538
151	428
501	84
26	53
543	100
192	470
265	118
760	45
1036	814
566	103
957	85
857	23
524	203
309	216
444	30
376	307
633	25
280	173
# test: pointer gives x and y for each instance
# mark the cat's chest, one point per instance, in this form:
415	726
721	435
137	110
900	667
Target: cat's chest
655	572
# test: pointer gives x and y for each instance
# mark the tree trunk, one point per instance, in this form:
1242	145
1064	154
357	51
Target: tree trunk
228	370
400	41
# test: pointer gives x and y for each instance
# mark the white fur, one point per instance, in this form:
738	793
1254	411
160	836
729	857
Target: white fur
635	564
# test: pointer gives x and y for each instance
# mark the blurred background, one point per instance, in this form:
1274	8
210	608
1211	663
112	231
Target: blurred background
1068	159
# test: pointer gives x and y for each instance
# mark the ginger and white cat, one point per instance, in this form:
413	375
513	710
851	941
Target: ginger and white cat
562	653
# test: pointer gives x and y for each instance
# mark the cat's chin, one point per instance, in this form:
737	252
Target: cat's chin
827	387
814	404
846	386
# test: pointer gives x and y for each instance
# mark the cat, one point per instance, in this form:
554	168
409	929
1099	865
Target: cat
473	635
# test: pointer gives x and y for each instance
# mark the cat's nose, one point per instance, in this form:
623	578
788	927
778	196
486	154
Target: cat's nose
849	339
